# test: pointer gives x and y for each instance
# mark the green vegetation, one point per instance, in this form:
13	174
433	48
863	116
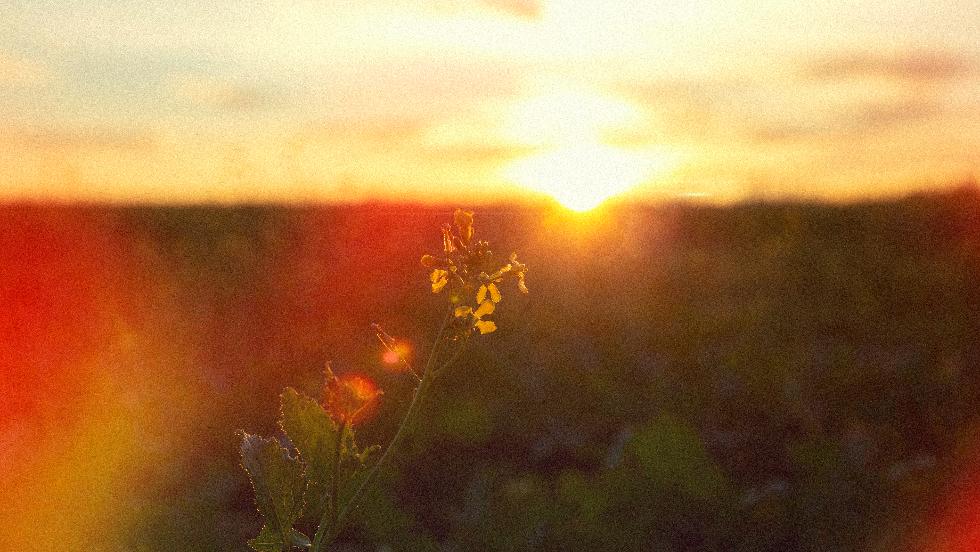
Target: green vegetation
757	377
330	475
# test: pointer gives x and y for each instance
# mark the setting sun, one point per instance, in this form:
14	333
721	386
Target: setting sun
582	176
574	165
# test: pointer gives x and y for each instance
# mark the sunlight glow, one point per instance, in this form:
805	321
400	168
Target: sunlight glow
575	166
553	114
583	176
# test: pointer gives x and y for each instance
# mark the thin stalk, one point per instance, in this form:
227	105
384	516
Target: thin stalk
335	492
426	380
329	517
448	363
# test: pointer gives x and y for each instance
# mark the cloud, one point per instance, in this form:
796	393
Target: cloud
523	9
217	93
852	122
480	154
914	66
64	140
879	115
17	71
375	132
685	109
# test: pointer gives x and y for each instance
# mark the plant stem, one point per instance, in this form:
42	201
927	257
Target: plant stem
453	358
427	376
335	491
331	508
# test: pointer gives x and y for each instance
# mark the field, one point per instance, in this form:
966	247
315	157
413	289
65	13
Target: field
767	376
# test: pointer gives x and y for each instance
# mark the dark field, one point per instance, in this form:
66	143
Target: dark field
759	377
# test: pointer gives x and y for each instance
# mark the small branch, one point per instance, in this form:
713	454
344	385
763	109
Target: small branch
426	380
330	510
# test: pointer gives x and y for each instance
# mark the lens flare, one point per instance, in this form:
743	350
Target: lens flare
352	397
396	356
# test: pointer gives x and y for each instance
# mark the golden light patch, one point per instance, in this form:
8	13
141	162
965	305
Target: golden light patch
575	165
583	176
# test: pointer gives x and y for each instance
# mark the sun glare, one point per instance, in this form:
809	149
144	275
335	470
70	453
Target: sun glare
574	165
583	176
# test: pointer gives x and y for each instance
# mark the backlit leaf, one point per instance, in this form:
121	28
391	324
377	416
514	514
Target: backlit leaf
267	541
270	541
314	435
277	479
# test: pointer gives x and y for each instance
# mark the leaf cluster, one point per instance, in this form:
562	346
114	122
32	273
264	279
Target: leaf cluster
310	486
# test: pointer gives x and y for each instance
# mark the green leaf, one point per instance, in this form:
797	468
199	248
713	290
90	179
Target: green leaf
314	434
270	541
353	465
277	480
267	541
299	540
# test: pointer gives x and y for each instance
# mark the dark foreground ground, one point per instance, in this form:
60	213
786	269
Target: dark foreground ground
760	377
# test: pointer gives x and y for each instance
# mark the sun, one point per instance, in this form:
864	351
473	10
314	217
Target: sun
573	164
582	176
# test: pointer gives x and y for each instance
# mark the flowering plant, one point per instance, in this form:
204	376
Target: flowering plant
318	475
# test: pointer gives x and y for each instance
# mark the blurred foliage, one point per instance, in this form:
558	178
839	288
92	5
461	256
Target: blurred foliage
755	377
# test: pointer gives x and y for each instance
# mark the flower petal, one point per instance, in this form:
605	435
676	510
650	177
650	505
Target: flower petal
439	279
464	222
485	308
486	326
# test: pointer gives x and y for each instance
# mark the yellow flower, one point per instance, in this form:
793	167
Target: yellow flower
439	279
491	288
486	308
467	265
485	326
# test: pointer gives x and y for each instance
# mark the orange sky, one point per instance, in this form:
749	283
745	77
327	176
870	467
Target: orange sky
183	101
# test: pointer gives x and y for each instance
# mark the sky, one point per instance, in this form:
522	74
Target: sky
485	100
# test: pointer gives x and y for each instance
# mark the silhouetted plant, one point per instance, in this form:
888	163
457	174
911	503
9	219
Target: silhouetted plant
324	475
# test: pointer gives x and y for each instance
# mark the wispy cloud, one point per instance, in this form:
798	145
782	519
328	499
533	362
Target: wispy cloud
217	93
911	66
697	109
849	123
523	9
68	140
19	71
483	154
377	132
